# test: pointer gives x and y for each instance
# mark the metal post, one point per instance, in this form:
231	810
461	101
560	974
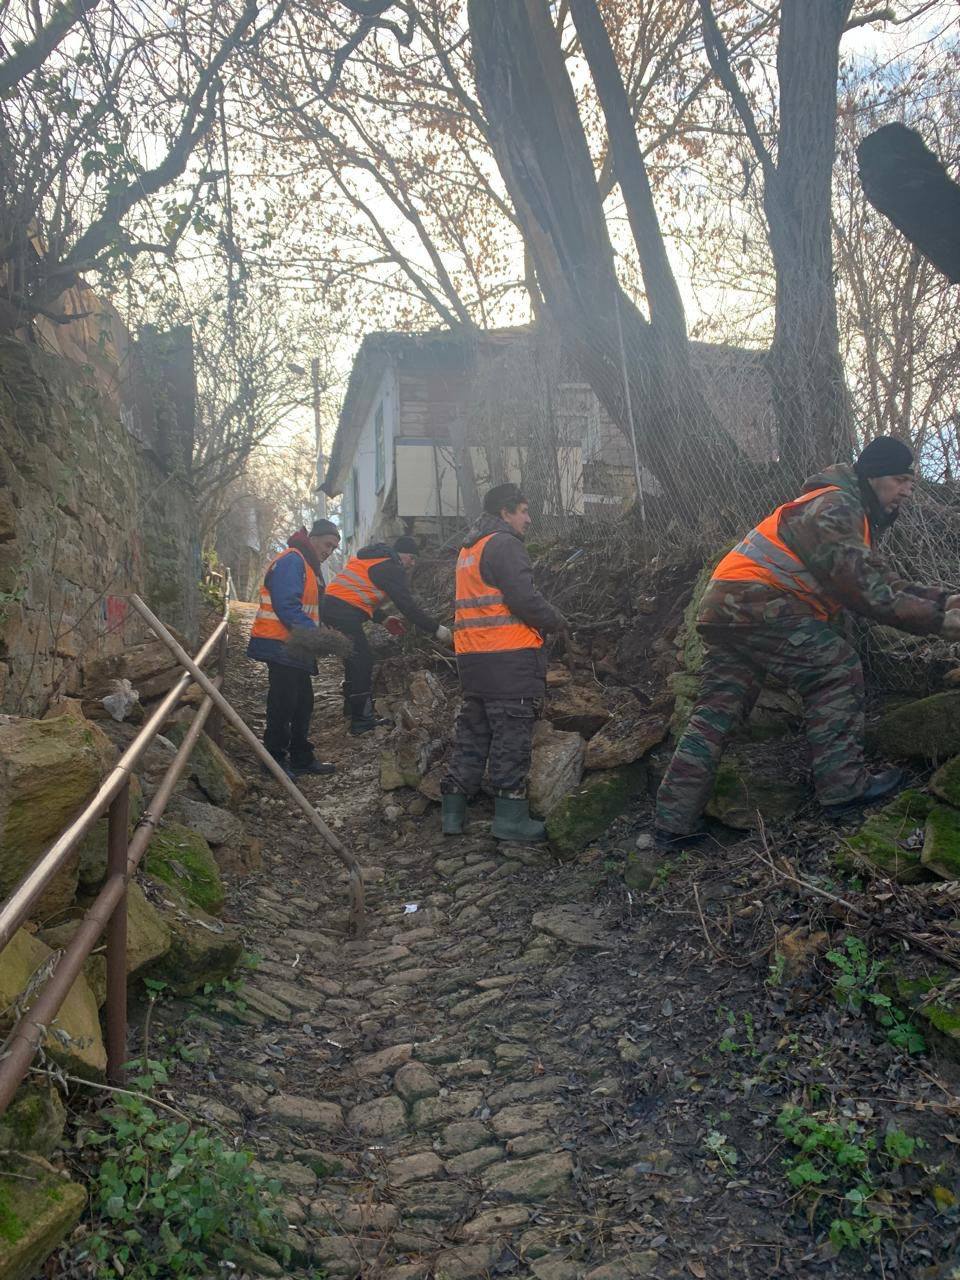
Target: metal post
117	827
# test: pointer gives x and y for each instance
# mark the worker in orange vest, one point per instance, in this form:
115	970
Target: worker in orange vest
498	635
289	599
361	592
772	608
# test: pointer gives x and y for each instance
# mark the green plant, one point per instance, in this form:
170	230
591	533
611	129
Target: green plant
839	1164
718	1145
728	1044
776	970
171	1199
856	987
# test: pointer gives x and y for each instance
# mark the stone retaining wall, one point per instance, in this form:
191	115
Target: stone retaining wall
87	515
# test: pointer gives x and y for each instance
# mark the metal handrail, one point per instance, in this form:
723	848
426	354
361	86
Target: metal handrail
109	910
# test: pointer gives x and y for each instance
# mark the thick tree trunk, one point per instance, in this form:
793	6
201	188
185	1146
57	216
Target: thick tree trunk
810	393
540	147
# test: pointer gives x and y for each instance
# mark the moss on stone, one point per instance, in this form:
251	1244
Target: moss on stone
940	1020
881	841
585	814
182	858
36	1216
34	1121
928	729
945	783
941	844
747	783
211	770
202	949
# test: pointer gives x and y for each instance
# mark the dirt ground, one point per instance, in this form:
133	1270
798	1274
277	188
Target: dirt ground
524	1068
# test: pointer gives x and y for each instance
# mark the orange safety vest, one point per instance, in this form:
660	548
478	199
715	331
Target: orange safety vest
266	624
763	556
352	585
482	621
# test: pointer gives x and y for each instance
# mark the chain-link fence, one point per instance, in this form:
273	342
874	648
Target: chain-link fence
532	418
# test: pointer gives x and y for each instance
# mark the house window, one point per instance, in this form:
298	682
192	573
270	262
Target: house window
381	468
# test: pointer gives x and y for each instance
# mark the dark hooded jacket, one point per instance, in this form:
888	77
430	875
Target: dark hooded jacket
505	565
391	578
827	535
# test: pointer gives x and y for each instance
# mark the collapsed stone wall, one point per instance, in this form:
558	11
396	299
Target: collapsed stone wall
87	514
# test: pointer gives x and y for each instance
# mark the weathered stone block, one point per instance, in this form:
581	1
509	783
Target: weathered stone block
748	783
182	858
210	769
556	766
891	839
202	949
36	1215
928	729
148	939
941	844
73	1038
34	1121
48	769
585	814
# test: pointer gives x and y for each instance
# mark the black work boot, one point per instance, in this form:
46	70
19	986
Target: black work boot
453	812
512	821
363	718
879	786
320	768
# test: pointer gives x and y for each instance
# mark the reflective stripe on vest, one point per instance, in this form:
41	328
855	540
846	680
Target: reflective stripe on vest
352	585
482	621
266	624
763	556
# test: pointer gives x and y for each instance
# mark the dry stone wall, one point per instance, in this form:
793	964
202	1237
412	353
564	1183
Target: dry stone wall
88	514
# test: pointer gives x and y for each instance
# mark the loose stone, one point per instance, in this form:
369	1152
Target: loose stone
522	1118
537	1178
414	1081
474	1161
462	1264
425	1164
386	1060
305	1113
464	1136
495	1222
380	1118
432	1111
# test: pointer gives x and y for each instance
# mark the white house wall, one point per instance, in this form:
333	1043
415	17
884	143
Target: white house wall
363	462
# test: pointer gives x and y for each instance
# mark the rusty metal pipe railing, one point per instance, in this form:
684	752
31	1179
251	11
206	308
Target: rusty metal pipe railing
17	907
122	863
357	906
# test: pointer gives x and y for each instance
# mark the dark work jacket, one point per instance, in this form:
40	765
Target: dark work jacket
285	580
505	565
391	578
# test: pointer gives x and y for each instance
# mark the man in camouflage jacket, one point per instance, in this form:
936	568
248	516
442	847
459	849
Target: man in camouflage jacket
753	628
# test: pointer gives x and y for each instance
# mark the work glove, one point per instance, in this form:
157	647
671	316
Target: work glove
951	626
395	626
444	635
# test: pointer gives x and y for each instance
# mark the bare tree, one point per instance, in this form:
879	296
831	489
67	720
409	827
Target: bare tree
102	107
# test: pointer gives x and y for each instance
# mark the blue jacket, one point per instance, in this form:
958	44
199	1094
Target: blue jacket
285	581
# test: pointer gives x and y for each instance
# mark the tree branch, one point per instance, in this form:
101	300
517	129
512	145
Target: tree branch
663	296
719	58
33	55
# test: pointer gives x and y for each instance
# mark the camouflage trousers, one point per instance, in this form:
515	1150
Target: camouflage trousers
806	655
494	734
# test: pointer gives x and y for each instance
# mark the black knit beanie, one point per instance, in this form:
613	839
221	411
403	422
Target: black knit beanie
320	527
406	546
885	456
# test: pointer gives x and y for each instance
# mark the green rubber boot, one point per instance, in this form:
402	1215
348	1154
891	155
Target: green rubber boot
512	821
453	812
